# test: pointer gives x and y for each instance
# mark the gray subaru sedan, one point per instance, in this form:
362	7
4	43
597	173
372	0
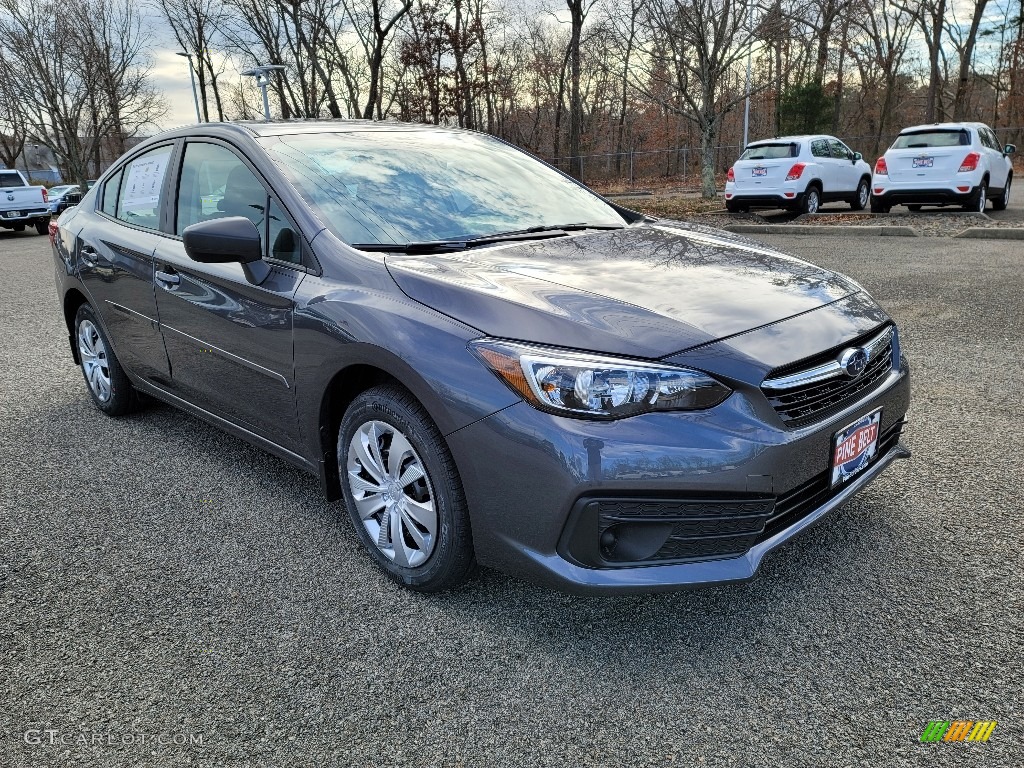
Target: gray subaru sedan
489	363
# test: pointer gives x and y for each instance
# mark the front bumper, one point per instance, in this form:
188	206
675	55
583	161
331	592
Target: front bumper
530	476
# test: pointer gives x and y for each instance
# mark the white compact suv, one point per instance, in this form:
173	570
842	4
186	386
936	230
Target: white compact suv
799	173
944	164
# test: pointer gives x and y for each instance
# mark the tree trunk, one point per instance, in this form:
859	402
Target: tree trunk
961	105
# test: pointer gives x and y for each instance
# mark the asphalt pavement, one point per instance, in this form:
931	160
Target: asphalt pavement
170	596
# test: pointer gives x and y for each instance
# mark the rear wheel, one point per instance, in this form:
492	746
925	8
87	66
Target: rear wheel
18	227
863	196
914	208
1003	200
108	383
977	205
732	207
878	207
812	200
42	227
403	492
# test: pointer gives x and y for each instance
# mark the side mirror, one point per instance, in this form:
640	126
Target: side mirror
857	157
1009	149
227	240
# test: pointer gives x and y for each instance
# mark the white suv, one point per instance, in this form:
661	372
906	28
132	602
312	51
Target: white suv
944	164
799	173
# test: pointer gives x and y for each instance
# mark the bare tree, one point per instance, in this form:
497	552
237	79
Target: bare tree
696	47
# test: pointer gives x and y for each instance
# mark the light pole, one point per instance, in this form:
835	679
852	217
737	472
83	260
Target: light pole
746	104
262	75
192	74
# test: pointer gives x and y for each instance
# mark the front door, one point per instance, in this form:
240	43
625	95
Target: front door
229	340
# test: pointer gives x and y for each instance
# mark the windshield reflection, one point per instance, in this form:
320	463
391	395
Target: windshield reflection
412	185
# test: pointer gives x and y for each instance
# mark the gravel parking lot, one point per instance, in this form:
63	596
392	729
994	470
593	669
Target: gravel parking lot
162	581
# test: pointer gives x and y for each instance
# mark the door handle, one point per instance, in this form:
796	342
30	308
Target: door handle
167	279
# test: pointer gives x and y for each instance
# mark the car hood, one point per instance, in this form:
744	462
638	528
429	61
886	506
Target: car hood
648	290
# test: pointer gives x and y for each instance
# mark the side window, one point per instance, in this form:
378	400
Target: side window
110	189
138	200
819	148
215	183
993	142
840	150
284	244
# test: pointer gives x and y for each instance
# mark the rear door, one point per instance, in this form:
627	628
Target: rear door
929	156
763	168
822	157
114	256
229	340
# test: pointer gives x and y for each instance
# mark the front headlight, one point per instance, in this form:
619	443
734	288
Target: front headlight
593	386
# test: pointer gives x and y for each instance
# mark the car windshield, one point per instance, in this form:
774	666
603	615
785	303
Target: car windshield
406	186
933	138
771	151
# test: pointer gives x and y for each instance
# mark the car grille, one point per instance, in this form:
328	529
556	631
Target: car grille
651	531
827	389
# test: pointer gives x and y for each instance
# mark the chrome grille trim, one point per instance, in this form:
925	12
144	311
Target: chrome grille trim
828	370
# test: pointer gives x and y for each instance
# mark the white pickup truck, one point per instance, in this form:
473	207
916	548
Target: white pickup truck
21	204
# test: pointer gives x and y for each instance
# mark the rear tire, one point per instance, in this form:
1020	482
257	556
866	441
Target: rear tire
979	201
811	201
732	207
877	207
1004	199
913	208
863	195
408	507
18	227
42	228
106	380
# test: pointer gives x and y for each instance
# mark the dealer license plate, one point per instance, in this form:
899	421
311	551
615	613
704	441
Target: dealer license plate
759	170
854	446
924	162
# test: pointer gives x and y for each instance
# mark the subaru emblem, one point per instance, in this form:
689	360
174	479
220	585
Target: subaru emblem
854	361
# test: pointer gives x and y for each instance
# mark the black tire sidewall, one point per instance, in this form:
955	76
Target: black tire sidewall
122	397
452	559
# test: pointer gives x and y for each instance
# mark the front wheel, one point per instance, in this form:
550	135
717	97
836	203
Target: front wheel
1003	200
403	492
108	383
863	195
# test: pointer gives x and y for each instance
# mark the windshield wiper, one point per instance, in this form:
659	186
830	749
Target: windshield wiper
429	246
434	246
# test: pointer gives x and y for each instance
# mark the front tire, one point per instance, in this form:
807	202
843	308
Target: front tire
108	384
403	492
860	202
